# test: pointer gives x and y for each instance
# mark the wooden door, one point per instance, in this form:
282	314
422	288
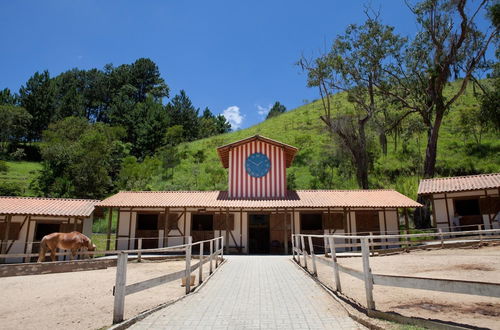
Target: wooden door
147	228
367	222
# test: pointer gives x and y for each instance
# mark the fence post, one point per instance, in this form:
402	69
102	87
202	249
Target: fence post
367	274
28	250
325	243
311	249
200	275
304	252
441	237
480	235
293	248
216	252
121	280
188	264
333	253
297	244
139	248
370	245
222	248
211	252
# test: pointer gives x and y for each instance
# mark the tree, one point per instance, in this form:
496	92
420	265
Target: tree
182	112
355	64
276	110
80	159
6	97
38	98
15	123
448	44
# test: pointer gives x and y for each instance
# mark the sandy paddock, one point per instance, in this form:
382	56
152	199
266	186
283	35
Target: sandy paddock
474	264
82	300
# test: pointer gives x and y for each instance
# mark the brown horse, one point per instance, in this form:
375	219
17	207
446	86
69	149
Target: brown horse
73	241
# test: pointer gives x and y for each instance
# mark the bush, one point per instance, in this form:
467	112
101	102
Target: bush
3	167
10	189
18	155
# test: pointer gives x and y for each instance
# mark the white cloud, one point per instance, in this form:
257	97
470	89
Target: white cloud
233	116
263	111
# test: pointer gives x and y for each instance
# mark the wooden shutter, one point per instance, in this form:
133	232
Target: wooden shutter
66	227
335	221
14	229
220	221
173	220
489	205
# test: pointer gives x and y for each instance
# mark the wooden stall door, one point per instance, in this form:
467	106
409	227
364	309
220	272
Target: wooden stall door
367	222
312	224
42	229
147	228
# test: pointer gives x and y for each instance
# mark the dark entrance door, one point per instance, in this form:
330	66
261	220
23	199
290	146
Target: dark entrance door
147	229
258	230
42	229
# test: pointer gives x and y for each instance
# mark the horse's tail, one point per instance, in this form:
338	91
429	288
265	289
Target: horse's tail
43	249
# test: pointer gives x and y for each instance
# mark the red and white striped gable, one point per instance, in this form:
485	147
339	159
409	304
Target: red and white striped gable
242	185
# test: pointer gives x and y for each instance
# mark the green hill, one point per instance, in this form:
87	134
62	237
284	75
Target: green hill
319	164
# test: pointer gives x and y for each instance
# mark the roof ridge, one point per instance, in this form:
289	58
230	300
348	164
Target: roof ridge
51	198
168	191
460	177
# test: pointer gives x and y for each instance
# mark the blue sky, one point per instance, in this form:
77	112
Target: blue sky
236	57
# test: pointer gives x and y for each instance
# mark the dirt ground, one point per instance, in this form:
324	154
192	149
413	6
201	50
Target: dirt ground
82	300
474	264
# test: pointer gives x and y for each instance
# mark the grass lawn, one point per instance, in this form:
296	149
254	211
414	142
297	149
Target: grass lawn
22	174
100	241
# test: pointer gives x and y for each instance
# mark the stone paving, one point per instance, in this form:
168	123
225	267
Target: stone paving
254	292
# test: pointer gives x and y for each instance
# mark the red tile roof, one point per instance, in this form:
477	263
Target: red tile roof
63	207
459	183
296	199
223	151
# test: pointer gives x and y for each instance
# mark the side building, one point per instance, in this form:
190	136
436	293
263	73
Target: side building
257	215
25	220
464	202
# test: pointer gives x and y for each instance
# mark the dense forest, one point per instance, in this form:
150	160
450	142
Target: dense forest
391	110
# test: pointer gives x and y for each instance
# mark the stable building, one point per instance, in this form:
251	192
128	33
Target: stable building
25	220
464	202
257	214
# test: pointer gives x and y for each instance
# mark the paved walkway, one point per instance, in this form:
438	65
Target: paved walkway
254	292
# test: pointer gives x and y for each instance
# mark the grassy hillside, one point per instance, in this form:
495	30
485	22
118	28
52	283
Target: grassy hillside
318	164
19	176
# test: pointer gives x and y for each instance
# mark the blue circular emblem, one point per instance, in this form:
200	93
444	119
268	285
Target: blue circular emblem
257	165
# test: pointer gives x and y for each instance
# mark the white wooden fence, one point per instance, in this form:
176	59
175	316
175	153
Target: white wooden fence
121	289
301	254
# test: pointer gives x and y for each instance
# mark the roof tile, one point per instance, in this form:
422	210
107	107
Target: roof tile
47	206
459	183
296	199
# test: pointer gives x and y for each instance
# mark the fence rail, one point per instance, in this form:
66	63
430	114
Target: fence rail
121	289
301	253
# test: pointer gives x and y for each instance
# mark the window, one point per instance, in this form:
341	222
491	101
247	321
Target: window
147	221
202	222
311	221
467	206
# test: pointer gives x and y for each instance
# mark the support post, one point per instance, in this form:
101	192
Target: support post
335	266
370	245
325	244
110	217
188	264
200	274
139	248
311	249
222	248
293	247
210	258
441	237
121	280
285	227
304	252
407	227
367	273
5	238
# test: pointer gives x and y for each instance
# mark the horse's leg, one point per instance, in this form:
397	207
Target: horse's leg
73	253
41	253
53	254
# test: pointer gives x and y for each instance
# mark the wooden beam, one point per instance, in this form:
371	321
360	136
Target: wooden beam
488	198
434	219
20	228
167	229
129	227
117	229
447	211
285	241
241	230
184	226
5	239
110	217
